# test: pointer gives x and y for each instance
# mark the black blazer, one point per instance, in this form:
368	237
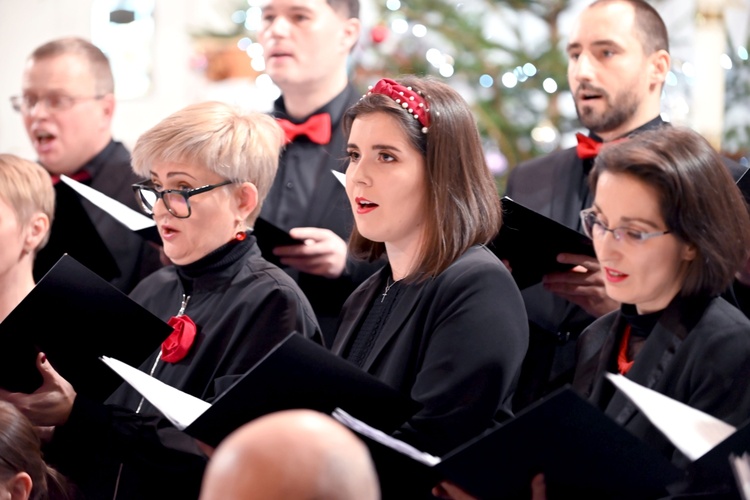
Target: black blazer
454	343
698	353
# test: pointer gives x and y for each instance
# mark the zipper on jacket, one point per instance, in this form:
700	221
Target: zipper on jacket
183	306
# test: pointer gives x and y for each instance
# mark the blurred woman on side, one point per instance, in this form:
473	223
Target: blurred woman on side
27	205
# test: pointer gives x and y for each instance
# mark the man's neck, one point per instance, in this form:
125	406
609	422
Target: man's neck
301	101
625	130
72	169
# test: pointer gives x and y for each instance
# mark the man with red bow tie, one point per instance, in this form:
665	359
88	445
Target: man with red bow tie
618	59
306	47
67	104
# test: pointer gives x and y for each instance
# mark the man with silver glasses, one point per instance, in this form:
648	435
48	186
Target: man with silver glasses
67	104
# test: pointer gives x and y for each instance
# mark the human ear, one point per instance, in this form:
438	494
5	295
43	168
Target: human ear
35	230
108	109
19	486
689	252
659	66
350	33
247	198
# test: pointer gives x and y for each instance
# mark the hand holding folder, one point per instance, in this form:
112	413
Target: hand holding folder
531	242
74	316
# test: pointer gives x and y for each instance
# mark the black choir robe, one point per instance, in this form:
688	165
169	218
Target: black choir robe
242	307
454	343
698	353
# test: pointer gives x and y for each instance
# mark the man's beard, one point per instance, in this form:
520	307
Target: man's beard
613	117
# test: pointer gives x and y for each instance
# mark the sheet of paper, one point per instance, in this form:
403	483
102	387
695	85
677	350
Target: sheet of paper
133	220
383	438
693	432
741	469
180	408
340	176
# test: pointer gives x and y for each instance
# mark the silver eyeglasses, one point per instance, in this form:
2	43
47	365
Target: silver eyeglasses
52	102
177	201
594	228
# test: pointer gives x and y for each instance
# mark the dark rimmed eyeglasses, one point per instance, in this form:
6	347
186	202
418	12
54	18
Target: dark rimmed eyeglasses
52	102
177	201
594	228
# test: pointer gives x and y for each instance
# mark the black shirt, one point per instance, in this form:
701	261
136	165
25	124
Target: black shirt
301	166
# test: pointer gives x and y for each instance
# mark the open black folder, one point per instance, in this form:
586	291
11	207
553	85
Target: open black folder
530	242
269	237
296	373
74	316
74	233
581	451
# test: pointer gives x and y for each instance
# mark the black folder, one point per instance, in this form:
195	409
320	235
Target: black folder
74	233
269	237
581	451
74	316
148	233
299	373
530	242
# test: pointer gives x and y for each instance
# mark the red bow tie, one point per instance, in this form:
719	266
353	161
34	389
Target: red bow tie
80	176
587	147
317	128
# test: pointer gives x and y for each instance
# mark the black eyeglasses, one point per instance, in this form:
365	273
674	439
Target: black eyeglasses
177	201
594	228
52	102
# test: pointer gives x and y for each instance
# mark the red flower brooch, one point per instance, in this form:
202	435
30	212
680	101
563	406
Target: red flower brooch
178	344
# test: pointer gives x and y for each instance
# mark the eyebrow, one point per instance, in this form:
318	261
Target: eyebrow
597	44
173	174
627	220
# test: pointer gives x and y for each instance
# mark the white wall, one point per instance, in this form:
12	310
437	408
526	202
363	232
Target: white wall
26	24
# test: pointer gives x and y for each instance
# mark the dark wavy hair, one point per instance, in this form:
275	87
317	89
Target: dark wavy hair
20	451
699	200
462	204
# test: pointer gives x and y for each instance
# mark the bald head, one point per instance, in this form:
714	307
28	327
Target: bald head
295	454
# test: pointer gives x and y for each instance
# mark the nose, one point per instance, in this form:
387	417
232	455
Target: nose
356	173
581	69
607	247
159	208
278	28
39	109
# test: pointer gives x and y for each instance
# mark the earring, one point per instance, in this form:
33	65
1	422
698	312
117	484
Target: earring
240	236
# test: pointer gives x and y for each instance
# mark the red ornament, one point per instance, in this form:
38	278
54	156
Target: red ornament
179	342
379	33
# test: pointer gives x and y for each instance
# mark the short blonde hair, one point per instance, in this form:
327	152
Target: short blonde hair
27	188
239	146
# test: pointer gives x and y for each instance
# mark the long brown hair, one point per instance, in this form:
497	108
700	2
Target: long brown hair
462	204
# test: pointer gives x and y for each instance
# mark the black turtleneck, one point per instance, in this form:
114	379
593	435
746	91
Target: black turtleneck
640	324
215	261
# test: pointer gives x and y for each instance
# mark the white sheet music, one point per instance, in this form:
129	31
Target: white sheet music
340	176
133	220
180	408
383	438
692	432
